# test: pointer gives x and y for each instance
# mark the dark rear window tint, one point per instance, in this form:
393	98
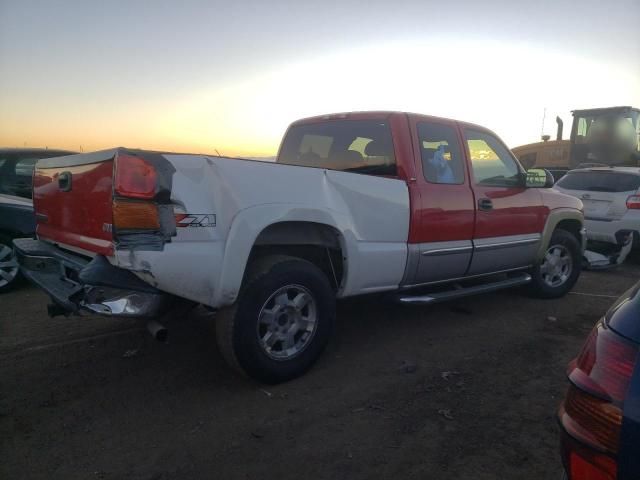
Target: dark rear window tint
360	146
16	170
600	182
16	177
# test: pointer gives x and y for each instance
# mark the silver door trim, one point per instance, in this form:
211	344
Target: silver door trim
508	251
435	259
459	279
483	244
446	251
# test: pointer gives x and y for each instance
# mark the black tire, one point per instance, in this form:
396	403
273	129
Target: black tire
7	284
540	283
238	327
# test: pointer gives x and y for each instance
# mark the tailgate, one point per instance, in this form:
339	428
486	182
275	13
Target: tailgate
602	205
72	199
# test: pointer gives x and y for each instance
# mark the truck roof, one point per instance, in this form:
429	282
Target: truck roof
379	115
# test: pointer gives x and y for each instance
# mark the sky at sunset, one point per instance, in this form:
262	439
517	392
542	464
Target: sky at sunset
200	76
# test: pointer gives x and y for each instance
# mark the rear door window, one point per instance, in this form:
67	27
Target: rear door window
600	182
359	146
440	153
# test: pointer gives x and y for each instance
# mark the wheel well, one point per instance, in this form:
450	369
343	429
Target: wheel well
315	242
571	226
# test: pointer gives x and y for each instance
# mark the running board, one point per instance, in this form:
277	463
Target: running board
459	292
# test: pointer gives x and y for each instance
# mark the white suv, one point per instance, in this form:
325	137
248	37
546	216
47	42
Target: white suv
611	198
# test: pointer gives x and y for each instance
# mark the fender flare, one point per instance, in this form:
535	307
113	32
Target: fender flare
247	225
555	217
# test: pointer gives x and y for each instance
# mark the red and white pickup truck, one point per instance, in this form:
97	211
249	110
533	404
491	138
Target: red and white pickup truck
427	208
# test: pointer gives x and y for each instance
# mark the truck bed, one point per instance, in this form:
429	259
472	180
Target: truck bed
211	211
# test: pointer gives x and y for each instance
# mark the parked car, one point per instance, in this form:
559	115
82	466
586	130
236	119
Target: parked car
427	208
16	208
600	415
611	198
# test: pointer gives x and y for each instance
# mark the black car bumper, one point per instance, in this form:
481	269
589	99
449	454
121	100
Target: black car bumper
78	284
16	220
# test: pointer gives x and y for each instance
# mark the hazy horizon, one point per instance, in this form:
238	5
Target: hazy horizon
202	76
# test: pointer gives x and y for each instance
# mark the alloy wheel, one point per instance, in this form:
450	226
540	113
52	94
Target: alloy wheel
8	265
287	322
557	266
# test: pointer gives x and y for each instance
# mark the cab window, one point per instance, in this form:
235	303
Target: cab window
440	153
491	161
359	146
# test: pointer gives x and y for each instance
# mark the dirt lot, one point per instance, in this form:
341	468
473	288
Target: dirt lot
460	390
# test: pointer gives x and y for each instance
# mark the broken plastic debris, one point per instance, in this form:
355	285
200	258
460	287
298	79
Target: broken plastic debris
446	413
448	375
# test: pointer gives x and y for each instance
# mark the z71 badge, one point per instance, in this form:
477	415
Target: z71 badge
195	220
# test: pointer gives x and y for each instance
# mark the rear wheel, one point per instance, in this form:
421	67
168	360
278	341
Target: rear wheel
281	321
559	269
9	273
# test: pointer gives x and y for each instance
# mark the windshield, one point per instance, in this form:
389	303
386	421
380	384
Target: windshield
613	128
607	138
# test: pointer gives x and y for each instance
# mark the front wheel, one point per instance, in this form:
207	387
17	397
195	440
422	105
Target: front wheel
559	269
281	321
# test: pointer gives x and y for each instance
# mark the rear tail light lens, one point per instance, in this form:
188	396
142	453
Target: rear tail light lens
135	177
633	202
605	365
582	463
128	215
594	421
592	410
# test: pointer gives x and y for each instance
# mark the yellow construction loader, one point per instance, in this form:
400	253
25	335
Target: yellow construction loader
599	136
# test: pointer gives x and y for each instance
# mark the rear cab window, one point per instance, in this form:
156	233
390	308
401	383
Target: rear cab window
600	181
358	146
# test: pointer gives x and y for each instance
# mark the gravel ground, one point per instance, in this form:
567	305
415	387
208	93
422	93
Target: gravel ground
466	389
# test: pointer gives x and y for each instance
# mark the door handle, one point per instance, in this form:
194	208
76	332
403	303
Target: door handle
64	181
485	204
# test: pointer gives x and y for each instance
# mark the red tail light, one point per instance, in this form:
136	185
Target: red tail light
134	177
596	422
592	410
605	365
582	463
633	202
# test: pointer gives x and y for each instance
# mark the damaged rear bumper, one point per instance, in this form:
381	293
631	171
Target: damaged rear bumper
77	284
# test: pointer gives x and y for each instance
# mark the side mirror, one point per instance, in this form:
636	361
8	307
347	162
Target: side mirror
539	178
